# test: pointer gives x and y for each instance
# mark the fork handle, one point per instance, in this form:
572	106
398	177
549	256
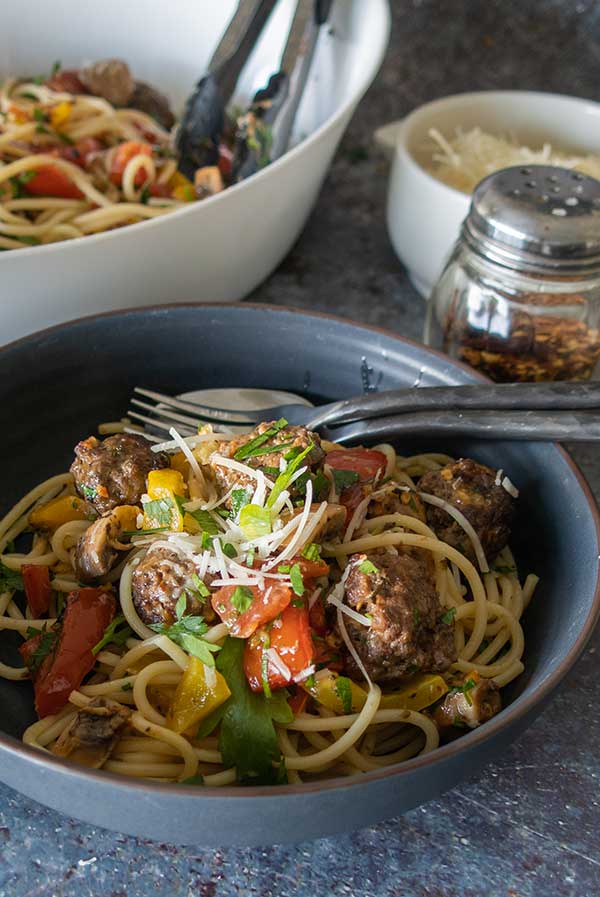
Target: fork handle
535	426
497	396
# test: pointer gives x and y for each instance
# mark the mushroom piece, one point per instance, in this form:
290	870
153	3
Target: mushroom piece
471	702
98	548
92	735
110	79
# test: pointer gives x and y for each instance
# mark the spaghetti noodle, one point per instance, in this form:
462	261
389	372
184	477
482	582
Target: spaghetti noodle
157	688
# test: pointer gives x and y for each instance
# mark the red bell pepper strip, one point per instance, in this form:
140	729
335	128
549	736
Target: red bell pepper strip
38	592
266	604
290	637
87	614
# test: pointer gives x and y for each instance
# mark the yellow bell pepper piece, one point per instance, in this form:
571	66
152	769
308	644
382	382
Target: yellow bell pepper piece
342	695
59	114
127	516
337	693
182	188
200	691
162	508
167	480
58	511
180	462
423	690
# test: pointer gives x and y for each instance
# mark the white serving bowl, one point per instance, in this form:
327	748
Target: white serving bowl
215	250
423	214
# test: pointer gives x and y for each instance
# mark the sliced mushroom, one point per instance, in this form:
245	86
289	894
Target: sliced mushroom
93	733
472	701
98	548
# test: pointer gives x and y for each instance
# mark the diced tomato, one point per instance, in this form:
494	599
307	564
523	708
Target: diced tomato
18	114
266	604
87	614
316	616
36	580
51	181
290	637
160	190
310	569
351	497
80	152
367	463
225	161
297	702
123	155
66	81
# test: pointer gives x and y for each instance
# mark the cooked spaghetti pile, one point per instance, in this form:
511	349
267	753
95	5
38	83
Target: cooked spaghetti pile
85	151
259	608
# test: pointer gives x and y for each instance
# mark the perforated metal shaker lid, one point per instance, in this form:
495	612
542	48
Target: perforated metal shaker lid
536	219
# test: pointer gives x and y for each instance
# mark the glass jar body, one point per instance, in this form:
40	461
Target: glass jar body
515	326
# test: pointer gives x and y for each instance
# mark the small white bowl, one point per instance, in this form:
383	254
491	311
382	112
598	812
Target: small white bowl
423	214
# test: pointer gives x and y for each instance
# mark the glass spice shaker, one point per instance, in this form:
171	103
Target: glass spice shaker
519	297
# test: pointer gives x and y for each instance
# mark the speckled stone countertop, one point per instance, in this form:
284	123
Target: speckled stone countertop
529	825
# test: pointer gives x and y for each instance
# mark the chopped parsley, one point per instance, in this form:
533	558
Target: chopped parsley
10	580
229	550
321	486
127	687
459	723
239	499
242	599
145	196
88	491
160	512
296	579
309	682
283	480
312	552
39	115
193	780
368	567
468	685
250	557
500	568
187	632
47	640
251	449
200	591
206	523
448	617
115	634
343	479
247	739
343	689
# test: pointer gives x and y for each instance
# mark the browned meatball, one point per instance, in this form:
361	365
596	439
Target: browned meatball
288	439
149	100
158	582
391	499
113	472
110	79
470	487
406	633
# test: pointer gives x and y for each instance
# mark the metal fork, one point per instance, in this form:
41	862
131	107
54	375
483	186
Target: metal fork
531	411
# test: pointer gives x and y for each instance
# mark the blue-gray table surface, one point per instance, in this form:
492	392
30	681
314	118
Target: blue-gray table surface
529	825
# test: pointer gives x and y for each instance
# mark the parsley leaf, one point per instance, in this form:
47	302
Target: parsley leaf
88	492
343	478
283	480
297	581
115	634
46	643
448	617
239	499
187	632
312	552
10	580
242	598
229	550
206	522
247	738
368	567
199	586
248	450
343	689
193	780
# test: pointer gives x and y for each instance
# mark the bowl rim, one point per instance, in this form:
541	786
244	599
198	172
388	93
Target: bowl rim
374	61
402	150
509	715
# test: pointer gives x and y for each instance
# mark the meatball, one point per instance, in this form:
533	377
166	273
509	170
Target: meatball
472	488
113	472
149	100
472	702
158	582
391	499
406	634
283	441
91	736
110	79
98	548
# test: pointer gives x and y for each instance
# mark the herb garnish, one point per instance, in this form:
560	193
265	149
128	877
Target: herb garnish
283	480
114	634
47	641
448	617
206	522
343	689
248	450
242	598
239	499
343	479
312	552
89	492
187	632
247	739
368	567
10	580
297	580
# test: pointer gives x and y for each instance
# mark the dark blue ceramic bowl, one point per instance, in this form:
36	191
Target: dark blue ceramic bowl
56	386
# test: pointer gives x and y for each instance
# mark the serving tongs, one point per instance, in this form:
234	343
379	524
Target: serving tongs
275	107
524	411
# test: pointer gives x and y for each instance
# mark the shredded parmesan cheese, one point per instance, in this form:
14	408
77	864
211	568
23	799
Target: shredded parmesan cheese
468	157
276	661
510	487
